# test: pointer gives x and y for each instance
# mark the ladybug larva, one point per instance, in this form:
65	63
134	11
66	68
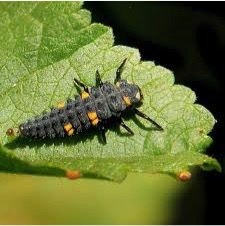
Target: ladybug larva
97	106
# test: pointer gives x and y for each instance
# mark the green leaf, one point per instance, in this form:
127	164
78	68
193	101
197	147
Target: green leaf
43	46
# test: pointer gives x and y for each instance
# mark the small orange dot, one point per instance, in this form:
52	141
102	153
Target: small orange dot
184	176
10	132
72	175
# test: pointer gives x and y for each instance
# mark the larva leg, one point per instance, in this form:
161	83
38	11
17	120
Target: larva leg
79	83
144	116
126	127
119	71
98	80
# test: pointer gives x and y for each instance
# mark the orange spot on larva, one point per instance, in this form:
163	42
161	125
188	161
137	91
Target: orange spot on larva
127	100
68	127
92	115
72	175
61	104
70	132
184	176
95	122
84	95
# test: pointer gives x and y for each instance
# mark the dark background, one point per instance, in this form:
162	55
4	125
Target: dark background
195	51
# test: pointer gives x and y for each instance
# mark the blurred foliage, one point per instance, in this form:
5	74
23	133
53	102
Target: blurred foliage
140	199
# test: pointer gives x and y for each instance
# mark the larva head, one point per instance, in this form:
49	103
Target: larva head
132	94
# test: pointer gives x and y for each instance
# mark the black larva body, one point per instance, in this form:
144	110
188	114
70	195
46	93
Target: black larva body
97	106
106	101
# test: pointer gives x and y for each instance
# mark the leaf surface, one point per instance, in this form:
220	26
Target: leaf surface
43	46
